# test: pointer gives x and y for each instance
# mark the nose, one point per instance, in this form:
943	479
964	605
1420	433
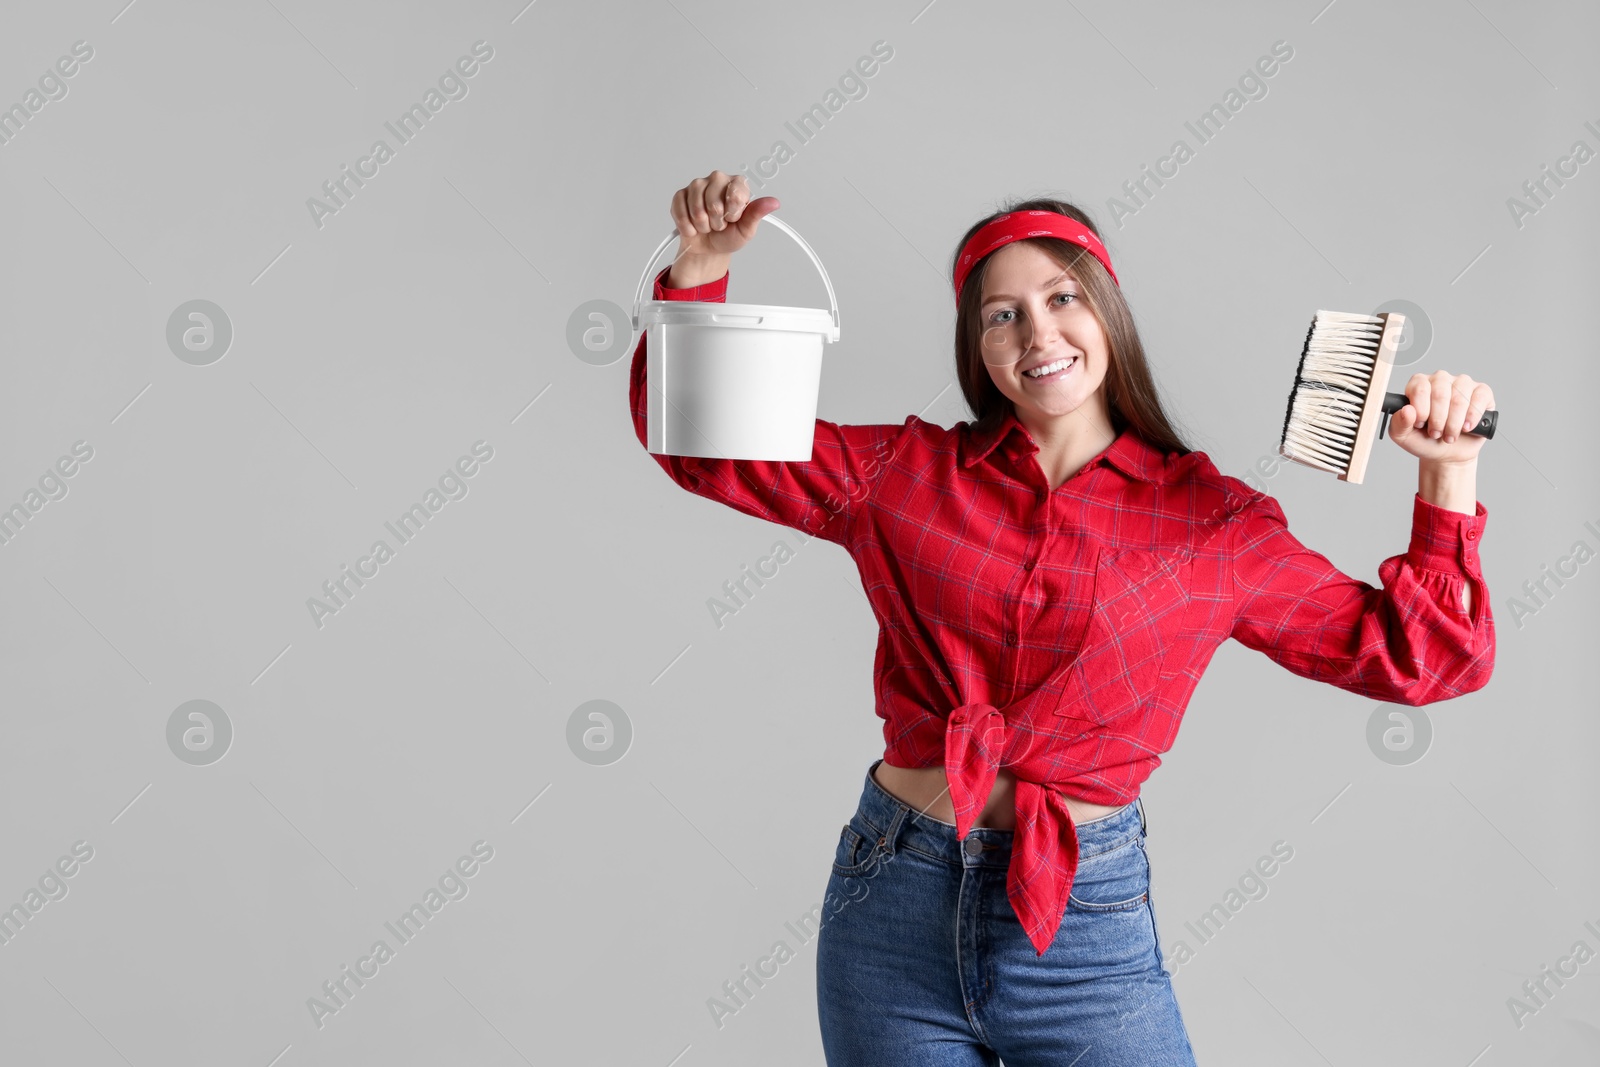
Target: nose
1036	328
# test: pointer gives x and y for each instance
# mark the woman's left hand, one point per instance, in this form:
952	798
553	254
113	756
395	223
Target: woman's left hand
1442	407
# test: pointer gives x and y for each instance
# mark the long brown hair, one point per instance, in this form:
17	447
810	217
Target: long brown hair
1131	393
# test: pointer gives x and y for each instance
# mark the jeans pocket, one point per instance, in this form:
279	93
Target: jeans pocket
856	852
1117	879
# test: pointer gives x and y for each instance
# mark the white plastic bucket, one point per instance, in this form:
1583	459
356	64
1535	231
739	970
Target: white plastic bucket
733	381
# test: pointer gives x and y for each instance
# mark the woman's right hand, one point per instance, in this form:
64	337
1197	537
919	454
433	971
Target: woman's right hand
715	218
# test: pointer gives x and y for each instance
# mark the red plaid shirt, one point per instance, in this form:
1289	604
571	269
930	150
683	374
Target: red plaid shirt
1060	633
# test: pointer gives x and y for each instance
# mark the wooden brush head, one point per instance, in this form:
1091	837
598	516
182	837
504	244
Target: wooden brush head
1372	410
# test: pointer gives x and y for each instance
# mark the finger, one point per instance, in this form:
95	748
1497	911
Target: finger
1439	405
1460	401
680	217
716	191
1482	401
737	196
697	206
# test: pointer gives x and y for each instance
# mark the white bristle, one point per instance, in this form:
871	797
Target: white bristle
1330	388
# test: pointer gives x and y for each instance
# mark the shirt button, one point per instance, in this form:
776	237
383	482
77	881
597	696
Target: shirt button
1011	639
1472	535
1028	566
973	846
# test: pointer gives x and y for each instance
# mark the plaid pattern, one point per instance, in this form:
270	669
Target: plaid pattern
1059	634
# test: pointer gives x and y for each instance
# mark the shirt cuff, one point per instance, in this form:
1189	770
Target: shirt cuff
1445	540
714	291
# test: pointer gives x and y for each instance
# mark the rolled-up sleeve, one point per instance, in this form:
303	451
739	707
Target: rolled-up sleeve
1410	641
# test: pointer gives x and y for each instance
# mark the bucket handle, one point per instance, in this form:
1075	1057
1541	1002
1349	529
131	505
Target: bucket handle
638	296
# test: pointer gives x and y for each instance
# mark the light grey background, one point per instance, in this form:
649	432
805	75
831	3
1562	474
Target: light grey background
431	312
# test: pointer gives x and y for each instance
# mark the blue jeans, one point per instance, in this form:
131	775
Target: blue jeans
921	960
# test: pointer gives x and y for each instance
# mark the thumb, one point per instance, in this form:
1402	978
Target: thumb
1404	421
753	213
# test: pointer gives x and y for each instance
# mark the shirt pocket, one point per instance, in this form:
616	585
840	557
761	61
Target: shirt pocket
1141	601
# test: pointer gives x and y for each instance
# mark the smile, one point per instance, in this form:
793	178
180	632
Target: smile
1052	370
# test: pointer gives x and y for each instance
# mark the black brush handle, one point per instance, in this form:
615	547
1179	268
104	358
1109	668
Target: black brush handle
1393	402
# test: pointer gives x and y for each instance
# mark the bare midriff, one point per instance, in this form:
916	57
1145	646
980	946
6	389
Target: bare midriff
927	790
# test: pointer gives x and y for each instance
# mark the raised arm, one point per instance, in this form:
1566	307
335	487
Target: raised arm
819	497
1412	641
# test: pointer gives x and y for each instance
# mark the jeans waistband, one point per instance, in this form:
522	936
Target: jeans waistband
898	825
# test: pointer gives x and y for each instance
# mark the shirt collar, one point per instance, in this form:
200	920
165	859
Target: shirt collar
1129	453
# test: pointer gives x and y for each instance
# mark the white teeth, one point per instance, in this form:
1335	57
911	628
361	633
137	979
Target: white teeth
1050	368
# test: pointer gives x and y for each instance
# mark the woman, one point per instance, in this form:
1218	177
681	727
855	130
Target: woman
1050	581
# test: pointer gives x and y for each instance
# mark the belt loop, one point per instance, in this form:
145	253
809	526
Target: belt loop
1139	800
891	834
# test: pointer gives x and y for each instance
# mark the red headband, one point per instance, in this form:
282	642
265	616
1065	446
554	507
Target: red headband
1019	224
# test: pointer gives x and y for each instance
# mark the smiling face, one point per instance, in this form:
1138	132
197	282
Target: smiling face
1033	317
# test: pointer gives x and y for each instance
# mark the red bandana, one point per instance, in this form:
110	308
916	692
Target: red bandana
1019	224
